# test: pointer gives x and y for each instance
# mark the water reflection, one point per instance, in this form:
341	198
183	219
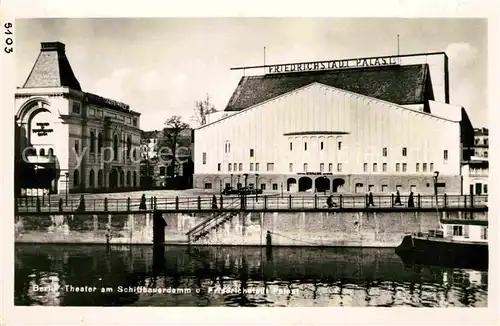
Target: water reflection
236	276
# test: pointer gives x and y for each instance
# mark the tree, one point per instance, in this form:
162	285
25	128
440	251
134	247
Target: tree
174	126
202	110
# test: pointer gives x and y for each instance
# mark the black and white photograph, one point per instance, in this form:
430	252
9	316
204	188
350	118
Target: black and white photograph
249	162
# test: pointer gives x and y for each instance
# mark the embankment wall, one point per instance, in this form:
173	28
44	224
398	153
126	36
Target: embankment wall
361	229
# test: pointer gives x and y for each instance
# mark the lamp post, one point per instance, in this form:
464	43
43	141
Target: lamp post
67	177
245	191
237	185
256	187
231	180
435	179
282	190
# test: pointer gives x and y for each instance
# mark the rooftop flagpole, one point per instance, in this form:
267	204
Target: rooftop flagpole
399	58
264	60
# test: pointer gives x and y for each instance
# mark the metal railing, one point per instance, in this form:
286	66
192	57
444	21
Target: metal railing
250	202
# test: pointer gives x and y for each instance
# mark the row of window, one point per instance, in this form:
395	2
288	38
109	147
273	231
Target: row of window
239	185
321	146
77	109
404	152
463	231
131	179
399	166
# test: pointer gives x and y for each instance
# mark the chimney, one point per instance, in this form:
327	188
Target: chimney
53	46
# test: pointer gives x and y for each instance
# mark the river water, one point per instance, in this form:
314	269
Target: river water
99	275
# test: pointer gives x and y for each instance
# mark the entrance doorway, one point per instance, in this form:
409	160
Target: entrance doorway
305	183
322	184
113	179
479	188
291	185
336	183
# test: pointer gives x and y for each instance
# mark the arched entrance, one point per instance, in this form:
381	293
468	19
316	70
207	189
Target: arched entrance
291	185
336	183
113	179
322	184
305	183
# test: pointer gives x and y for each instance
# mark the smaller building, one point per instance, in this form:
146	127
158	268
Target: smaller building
156	168
481	142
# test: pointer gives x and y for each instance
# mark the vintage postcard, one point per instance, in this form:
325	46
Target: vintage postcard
234	160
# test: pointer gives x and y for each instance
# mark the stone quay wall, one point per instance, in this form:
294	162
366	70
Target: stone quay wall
347	229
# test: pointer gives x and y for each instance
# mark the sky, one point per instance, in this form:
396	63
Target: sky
162	66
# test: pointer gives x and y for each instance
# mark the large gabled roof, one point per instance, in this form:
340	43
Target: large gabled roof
397	84
52	69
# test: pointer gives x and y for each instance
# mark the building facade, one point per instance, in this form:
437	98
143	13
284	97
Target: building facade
156	168
351	130
475	171
68	139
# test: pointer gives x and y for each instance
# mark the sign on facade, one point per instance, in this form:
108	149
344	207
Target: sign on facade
332	64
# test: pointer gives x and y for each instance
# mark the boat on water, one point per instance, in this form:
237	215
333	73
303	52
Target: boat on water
458	243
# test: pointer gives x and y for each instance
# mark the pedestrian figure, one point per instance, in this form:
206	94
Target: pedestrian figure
410	200
329	201
142	205
81	205
214	202
370	200
398	198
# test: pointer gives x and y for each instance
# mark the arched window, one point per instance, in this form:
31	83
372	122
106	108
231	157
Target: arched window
129	145
122	178
92	142
99	142
91	178
128	178
134	184
115	147
42	152
99	178
51	152
76	178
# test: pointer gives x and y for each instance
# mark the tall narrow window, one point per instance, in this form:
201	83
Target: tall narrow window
424	167
339	167
291	146
235	166
92	142
404	151
445	155
374	167
225	147
397	167
115	147
204	158
290	167
305	146
330	167
229	167
241	166
417	167
257	167
339	145
365	167
218	167
384	167
251	166
384	151
251	152
77	146
322	167
321	145
404	167
99	143
305	167
431	167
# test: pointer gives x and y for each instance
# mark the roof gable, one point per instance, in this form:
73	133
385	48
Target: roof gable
401	85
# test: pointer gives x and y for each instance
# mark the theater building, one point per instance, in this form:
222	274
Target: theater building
348	126
70	140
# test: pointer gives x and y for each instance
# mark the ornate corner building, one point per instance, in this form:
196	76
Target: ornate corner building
70	140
